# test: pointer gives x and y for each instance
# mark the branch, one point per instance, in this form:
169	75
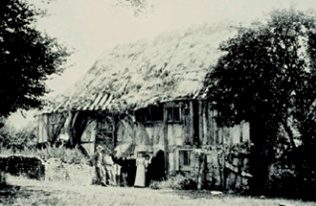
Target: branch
23	115
288	130
312	109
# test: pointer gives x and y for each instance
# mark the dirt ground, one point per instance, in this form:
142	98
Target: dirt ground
30	192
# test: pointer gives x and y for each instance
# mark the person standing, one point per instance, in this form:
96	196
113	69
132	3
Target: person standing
108	166
99	167
140	179
148	170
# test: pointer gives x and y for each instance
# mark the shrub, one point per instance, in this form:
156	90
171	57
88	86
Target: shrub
69	156
295	176
65	155
155	185
20	165
18	139
178	182
282	180
306	181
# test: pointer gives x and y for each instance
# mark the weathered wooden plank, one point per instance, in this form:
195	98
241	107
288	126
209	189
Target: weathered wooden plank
200	122
196	123
211	126
215	129
166	143
191	116
241	139
204	119
201	160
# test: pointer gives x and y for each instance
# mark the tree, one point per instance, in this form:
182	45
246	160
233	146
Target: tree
27	57
267	77
138	6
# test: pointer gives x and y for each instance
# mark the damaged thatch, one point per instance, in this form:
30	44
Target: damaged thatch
169	67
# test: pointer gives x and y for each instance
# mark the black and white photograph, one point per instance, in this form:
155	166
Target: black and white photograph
158	102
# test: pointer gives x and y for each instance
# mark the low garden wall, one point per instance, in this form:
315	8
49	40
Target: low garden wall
17	165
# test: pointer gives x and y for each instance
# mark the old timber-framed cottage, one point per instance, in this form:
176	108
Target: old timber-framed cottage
147	96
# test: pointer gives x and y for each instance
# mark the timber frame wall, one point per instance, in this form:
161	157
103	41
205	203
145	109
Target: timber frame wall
187	126
178	128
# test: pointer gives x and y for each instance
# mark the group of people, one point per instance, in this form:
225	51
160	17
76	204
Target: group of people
131	172
103	163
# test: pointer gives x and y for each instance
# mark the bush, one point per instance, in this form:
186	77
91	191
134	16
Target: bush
178	182
155	185
65	155
19	165
282	180
294	177
69	156
19	139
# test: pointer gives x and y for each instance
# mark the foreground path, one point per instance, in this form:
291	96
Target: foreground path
27	192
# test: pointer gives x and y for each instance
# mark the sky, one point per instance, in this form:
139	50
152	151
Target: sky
90	27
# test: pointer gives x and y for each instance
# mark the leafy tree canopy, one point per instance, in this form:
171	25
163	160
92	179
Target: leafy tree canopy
268	75
27	57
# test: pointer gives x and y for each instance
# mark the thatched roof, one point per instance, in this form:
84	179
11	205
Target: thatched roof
169	67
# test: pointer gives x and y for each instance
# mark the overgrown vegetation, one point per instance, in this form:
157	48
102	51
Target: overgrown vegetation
293	175
18	140
65	155
23	141
267	78
178	182
18	144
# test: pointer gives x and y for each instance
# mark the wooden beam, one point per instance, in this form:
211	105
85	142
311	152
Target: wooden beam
210	126
186	124
166	142
200	122
205	129
191	116
241	138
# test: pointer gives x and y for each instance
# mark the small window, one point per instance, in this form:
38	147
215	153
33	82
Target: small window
140	115
184	158
150	114
156	113
173	114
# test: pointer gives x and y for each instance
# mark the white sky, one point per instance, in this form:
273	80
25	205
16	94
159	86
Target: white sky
92	26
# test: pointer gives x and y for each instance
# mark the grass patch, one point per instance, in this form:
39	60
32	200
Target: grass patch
32	192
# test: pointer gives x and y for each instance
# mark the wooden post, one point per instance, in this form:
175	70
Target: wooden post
221	161
204	114
187	124
200	120
210	125
192	132
215	128
166	142
241	139
201	171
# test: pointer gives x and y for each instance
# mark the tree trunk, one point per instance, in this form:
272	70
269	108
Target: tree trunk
260	157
